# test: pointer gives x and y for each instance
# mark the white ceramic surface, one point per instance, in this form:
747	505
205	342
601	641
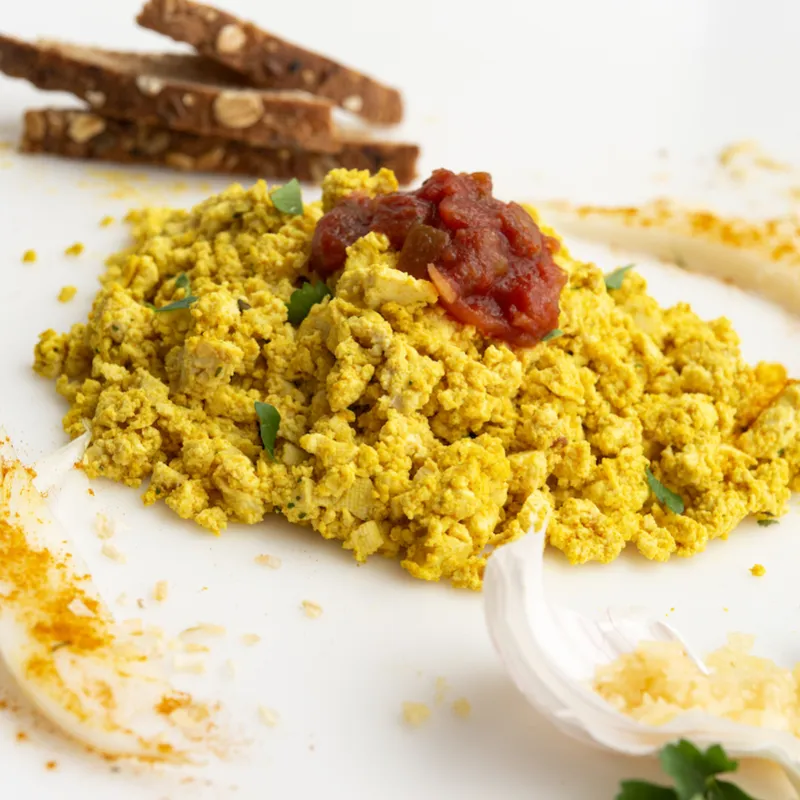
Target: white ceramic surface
608	101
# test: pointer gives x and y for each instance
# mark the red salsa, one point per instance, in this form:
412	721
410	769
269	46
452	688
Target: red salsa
492	266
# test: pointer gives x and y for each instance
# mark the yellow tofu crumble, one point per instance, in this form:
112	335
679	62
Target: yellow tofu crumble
29	257
74	249
758	570
402	431
66	294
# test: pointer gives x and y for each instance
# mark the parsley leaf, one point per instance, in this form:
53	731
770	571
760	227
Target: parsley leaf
288	198
554	334
642	790
181	282
268	419
614	279
664	496
765	522
694	773
304	298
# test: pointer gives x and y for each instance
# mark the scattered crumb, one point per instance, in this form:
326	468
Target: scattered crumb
74	249
190	663
415	714
249	639
312	610
122	600
273	562
29	257
140	602
758	570
103	526
106	221
111	551
195	647
231	668
161	591
462	707
67	293
441	690
268	716
90	492
51	765
22	736
725	608
203	628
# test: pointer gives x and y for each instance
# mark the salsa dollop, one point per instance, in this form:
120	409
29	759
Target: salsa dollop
490	263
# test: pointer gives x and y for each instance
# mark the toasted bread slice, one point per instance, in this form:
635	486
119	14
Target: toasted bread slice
184	92
84	134
269	61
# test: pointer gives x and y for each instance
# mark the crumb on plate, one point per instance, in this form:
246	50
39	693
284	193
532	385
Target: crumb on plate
67	293
311	609
161	591
415	714
29	257
462	707
758	570
268	716
265	560
74	249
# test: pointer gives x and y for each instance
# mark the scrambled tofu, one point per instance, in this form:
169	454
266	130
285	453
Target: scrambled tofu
402	431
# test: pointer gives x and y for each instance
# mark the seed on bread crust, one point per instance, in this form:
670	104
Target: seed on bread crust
83	127
238	109
230	39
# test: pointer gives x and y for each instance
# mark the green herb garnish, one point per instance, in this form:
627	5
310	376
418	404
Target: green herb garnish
765	522
554	334
268	419
782	452
288	198
304	298
181	282
614	279
664	496
694	773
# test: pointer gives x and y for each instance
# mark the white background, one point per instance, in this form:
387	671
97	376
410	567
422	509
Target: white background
597	101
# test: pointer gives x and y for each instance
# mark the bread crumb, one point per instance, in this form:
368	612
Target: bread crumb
140	602
415	714
230	667
268	716
161	591
462	707
111	551
273	562
312	610
103	526
74	249
441	690
67	293
51	765
249	639
758	570
29	257
204	629
122	600
90	492
22	736
106	221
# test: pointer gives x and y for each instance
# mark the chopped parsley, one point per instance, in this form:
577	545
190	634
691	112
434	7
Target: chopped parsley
269	419
554	334
694	774
218	372
765	522
782	452
614	279
664	496
288	198
181	282
304	298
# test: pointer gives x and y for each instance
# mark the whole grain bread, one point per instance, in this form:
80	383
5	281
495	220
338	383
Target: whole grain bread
84	134
184	92
269	61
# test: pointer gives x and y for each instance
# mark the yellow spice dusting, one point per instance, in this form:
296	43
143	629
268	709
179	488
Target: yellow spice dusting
758	570
29	257
462	707
415	714
403	432
74	249
659	681
67	293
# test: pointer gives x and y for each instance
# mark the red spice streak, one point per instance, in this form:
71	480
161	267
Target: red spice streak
492	266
